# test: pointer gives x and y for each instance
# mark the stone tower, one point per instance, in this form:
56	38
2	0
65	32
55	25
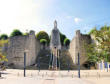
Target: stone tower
55	45
20	44
55	37
77	46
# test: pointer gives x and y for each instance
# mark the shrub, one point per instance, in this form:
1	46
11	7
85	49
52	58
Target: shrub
42	35
4	36
66	42
16	32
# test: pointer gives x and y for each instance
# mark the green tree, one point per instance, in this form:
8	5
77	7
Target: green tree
92	53
2	42
25	34
102	36
2	56
66	41
43	42
16	32
43	35
62	38
4	36
92	31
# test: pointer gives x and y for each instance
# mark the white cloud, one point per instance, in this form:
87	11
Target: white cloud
77	20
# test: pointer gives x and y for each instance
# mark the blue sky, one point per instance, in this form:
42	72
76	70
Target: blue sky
37	15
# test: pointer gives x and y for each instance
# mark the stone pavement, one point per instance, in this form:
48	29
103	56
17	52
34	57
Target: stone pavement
31	80
12	76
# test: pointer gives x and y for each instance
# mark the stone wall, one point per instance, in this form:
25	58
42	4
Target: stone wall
77	45
20	44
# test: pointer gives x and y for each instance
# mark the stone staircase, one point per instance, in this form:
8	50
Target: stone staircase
43	59
65	59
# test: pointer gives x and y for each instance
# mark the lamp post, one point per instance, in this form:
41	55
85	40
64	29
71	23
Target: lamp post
39	64
0	72
25	51
24	64
68	66
78	65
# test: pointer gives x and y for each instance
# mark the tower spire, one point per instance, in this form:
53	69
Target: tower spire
55	24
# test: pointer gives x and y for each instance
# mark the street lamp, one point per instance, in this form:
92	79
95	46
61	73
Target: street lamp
25	62
68	66
78	65
39	64
0	72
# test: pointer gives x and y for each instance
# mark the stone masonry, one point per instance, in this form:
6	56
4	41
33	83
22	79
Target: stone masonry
29	44
20	44
77	46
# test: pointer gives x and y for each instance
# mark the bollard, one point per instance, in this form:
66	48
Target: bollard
88	74
97	75
72	75
18	74
42	75
46	73
31	74
38	73
0	74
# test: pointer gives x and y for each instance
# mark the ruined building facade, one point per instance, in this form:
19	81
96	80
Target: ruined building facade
20	44
29	44
77	45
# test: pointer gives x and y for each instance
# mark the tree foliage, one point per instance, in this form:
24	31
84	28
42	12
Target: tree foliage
102	41
103	38
43	41
42	35
92	53
66	41
4	36
92	31
25	34
2	57
16	32
62	38
2	42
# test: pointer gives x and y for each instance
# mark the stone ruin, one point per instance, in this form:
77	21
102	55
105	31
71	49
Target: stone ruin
19	44
77	46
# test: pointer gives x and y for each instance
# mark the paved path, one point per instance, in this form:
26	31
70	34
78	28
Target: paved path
34	80
42	81
51	77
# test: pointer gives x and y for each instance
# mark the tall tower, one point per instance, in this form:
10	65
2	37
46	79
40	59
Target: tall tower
55	46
